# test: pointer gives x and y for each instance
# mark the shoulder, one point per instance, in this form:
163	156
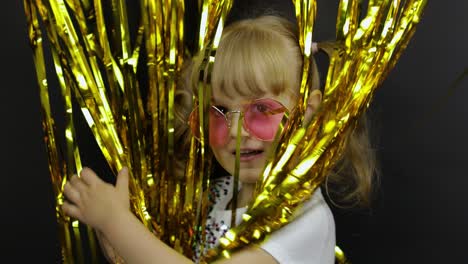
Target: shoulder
309	238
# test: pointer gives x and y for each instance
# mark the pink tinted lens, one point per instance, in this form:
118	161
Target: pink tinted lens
263	117
218	128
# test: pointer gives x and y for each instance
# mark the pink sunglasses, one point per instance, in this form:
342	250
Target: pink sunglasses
262	118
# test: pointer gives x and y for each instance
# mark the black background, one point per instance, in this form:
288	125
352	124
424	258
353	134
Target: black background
420	215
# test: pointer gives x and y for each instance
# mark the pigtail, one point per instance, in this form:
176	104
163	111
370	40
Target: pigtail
182	109
356	176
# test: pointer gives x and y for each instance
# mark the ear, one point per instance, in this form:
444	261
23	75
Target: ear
315	48
313	103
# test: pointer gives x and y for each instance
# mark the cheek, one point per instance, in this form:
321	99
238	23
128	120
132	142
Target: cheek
268	154
218	130
223	157
216	153
267	146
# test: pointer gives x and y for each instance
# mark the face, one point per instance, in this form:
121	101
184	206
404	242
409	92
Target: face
253	151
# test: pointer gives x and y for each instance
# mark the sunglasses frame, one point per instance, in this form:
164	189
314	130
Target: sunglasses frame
244	106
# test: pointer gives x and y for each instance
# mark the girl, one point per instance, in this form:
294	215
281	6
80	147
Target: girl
256	71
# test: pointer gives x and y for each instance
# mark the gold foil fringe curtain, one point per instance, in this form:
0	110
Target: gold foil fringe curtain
97	63
364	53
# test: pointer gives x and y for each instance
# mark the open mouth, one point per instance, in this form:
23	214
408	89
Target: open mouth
249	154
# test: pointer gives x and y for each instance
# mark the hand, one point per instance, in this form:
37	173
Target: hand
95	202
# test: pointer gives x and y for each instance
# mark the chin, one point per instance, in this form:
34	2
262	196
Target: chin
250	175
246	175
249	171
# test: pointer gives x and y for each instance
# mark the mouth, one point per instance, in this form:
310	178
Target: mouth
249	154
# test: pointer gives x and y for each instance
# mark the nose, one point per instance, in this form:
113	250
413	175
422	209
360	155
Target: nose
235	120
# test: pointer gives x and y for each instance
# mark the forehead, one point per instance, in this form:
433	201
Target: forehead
287	99
220	96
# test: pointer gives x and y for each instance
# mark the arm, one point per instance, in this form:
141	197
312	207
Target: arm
108	251
106	208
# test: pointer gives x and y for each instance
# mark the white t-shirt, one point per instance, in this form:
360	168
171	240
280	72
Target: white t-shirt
309	238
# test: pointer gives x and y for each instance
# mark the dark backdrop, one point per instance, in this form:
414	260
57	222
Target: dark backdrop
420	116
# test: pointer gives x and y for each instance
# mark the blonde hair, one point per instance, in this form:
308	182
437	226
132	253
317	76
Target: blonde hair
261	55
252	55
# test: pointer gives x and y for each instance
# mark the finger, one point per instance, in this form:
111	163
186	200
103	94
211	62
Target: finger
71	194
90	177
78	184
72	211
122	182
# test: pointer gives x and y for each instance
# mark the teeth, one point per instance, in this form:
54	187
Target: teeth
247	151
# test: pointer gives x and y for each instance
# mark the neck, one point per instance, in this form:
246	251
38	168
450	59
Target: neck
245	194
